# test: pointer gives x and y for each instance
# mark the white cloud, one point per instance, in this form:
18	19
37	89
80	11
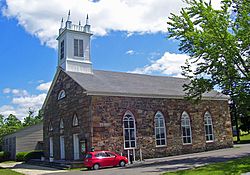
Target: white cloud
22	101
6	90
15	92
44	86
19	92
130	52
33	101
20	105
42	18
7	110
168	64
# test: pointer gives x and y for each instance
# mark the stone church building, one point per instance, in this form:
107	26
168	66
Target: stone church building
124	112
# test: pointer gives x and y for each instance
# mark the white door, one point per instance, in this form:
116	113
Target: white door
51	146
62	147
76	146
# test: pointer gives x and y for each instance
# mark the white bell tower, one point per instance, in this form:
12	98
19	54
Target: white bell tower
74	47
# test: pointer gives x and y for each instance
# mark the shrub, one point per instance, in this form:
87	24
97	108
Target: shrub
20	156
4	156
33	155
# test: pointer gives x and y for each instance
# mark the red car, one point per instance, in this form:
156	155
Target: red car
99	159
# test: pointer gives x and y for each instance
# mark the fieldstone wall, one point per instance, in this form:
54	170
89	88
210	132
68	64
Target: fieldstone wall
108	112
75	102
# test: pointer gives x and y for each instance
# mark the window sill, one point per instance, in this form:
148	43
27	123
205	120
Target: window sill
186	144
210	141
160	146
130	148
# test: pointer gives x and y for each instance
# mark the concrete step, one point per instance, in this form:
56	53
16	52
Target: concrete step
61	165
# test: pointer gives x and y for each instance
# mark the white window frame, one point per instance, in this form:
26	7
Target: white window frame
61	94
75	121
128	116
79	49
208	122
61	124
76	147
50	126
62	147
51	147
185	123
157	120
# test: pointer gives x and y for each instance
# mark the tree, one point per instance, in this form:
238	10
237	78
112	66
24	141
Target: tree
218	44
39	116
31	119
12	120
9	125
1	120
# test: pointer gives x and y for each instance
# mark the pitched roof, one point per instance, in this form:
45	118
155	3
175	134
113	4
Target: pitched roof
130	84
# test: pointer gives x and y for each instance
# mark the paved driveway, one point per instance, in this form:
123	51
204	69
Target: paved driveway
160	165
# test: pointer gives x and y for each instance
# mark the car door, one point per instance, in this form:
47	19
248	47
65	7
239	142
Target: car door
101	159
111	157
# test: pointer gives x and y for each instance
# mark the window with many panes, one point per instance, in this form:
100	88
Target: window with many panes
62	50
186	128
208	127
78	47
160	130
129	130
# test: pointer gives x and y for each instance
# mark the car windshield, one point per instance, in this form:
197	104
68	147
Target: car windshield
88	156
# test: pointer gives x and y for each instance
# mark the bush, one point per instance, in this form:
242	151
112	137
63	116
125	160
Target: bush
20	157
4	156
33	155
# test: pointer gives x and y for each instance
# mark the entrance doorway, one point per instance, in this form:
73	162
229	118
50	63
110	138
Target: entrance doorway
62	147
76	147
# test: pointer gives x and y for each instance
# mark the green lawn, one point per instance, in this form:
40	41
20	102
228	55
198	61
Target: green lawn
243	138
234	167
4	171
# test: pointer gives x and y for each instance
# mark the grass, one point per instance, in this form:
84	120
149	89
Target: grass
233	167
245	138
4	171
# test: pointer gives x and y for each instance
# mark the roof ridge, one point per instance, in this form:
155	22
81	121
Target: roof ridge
132	73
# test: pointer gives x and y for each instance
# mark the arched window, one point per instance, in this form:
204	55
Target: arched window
61	124
50	126
160	129
208	127
129	130
75	120
61	94
186	128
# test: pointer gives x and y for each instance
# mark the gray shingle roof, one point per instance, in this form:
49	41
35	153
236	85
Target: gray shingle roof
129	84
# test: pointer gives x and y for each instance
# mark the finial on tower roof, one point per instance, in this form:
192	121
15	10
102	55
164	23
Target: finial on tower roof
68	16
62	23
87	19
79	23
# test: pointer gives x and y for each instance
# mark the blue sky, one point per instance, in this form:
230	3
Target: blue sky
128	36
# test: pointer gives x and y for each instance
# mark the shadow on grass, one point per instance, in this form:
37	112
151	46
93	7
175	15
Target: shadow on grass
236	167
192	162
242	142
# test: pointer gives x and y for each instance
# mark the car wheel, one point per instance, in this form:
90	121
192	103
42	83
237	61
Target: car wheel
96	166
122	163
